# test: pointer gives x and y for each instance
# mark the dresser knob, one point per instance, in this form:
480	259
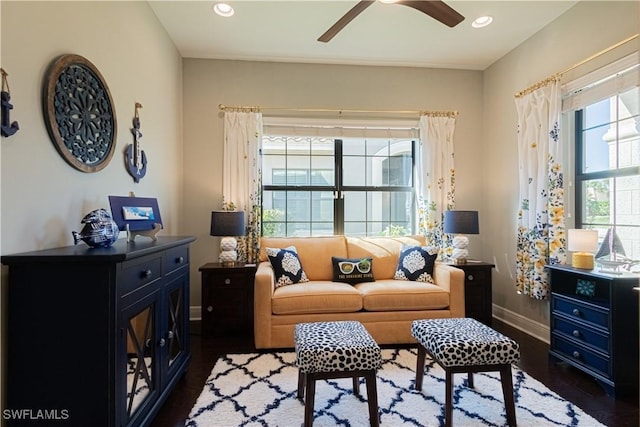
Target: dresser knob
576	354
470	277
227	281
576	333
210	309
576	312
180	260
146	274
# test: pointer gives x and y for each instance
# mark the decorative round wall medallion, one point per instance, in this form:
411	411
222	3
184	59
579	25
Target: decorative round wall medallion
79	113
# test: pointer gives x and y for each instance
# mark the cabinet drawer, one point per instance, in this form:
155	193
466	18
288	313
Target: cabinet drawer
175	258
582	333
138	273
581	311
581	355
477	277
229	280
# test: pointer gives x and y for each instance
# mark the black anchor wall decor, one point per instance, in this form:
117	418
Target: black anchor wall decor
7	128
136	158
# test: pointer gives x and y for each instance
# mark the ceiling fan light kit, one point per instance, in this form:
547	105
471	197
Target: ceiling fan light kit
436	9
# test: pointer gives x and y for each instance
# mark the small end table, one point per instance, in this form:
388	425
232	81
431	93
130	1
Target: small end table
227	299
477	290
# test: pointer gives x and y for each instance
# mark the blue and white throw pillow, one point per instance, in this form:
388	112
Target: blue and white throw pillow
286	266
416	263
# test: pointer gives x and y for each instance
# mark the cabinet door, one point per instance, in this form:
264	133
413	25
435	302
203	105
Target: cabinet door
175	323
138	350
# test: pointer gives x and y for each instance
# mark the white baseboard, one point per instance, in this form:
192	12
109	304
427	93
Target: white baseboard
533	328
195	312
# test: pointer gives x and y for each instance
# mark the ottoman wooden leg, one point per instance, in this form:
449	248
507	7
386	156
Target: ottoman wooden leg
356	385
470	379
422	353
309	399
372	398
448	402
301	383
507	391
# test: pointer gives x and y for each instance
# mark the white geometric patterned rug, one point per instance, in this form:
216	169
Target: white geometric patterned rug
260	390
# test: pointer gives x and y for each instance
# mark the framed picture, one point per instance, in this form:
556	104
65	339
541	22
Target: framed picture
138	213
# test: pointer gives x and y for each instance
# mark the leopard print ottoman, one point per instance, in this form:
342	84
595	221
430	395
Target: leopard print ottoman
335	347
464	345
342	349
464	342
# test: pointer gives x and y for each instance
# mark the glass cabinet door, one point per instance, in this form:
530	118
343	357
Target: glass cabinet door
176	340
140	357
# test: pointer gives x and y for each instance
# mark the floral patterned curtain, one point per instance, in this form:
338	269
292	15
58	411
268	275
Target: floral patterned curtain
435	190
241	176
541	230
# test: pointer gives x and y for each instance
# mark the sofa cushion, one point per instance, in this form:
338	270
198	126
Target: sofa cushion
314	252
352	270
416	263
402	295
286	266
316	297
384	251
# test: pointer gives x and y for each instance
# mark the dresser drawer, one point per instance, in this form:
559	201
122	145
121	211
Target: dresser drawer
175	258
580	354
582	333
580	311
138	273
229	280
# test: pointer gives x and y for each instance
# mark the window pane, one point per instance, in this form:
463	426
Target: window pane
596	206
597	114
627	201
629	144
378	147
353	147
355	228
598	154
322	206
354	169
629	103
355	206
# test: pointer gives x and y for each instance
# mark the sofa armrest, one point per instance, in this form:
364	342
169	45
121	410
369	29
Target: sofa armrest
452	279
263	288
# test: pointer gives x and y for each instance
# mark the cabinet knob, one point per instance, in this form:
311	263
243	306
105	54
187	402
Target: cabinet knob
180	260
576	333
227	281
162	342
146	274
470	277
210	308
576	354
147	343
576	312
170	335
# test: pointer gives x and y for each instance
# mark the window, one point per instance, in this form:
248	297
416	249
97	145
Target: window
607	145
317	185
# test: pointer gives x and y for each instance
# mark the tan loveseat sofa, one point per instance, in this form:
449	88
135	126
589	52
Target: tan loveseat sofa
386	307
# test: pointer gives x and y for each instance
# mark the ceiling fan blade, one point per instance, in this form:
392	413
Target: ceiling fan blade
436	9
348	17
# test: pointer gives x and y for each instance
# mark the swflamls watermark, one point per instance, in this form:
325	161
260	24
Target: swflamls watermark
35	414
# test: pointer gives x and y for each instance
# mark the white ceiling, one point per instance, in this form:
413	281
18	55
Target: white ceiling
384	34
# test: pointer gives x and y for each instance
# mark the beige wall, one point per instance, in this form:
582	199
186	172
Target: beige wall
208	83
43	198
582	31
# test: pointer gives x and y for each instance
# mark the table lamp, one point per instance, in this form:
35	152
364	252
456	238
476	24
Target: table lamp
583	243
228	224
461	223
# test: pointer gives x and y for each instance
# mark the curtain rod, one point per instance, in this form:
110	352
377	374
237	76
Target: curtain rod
559	75
339	111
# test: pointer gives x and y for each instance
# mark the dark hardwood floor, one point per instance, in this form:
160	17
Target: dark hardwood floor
565	380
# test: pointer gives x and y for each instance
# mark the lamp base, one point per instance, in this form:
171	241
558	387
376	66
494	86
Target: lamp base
228	254
582	260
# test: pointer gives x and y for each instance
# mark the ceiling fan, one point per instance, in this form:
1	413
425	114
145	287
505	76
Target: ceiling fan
436	9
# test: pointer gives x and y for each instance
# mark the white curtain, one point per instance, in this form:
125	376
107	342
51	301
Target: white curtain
541	230
241	175
435	189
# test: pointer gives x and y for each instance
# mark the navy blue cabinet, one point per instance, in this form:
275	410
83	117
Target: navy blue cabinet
97	336
594	325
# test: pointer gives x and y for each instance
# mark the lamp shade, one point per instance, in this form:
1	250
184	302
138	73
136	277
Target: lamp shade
461	222
581	240
227	223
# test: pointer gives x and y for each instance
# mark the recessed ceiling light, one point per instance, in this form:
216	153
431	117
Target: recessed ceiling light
223	9
482	21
